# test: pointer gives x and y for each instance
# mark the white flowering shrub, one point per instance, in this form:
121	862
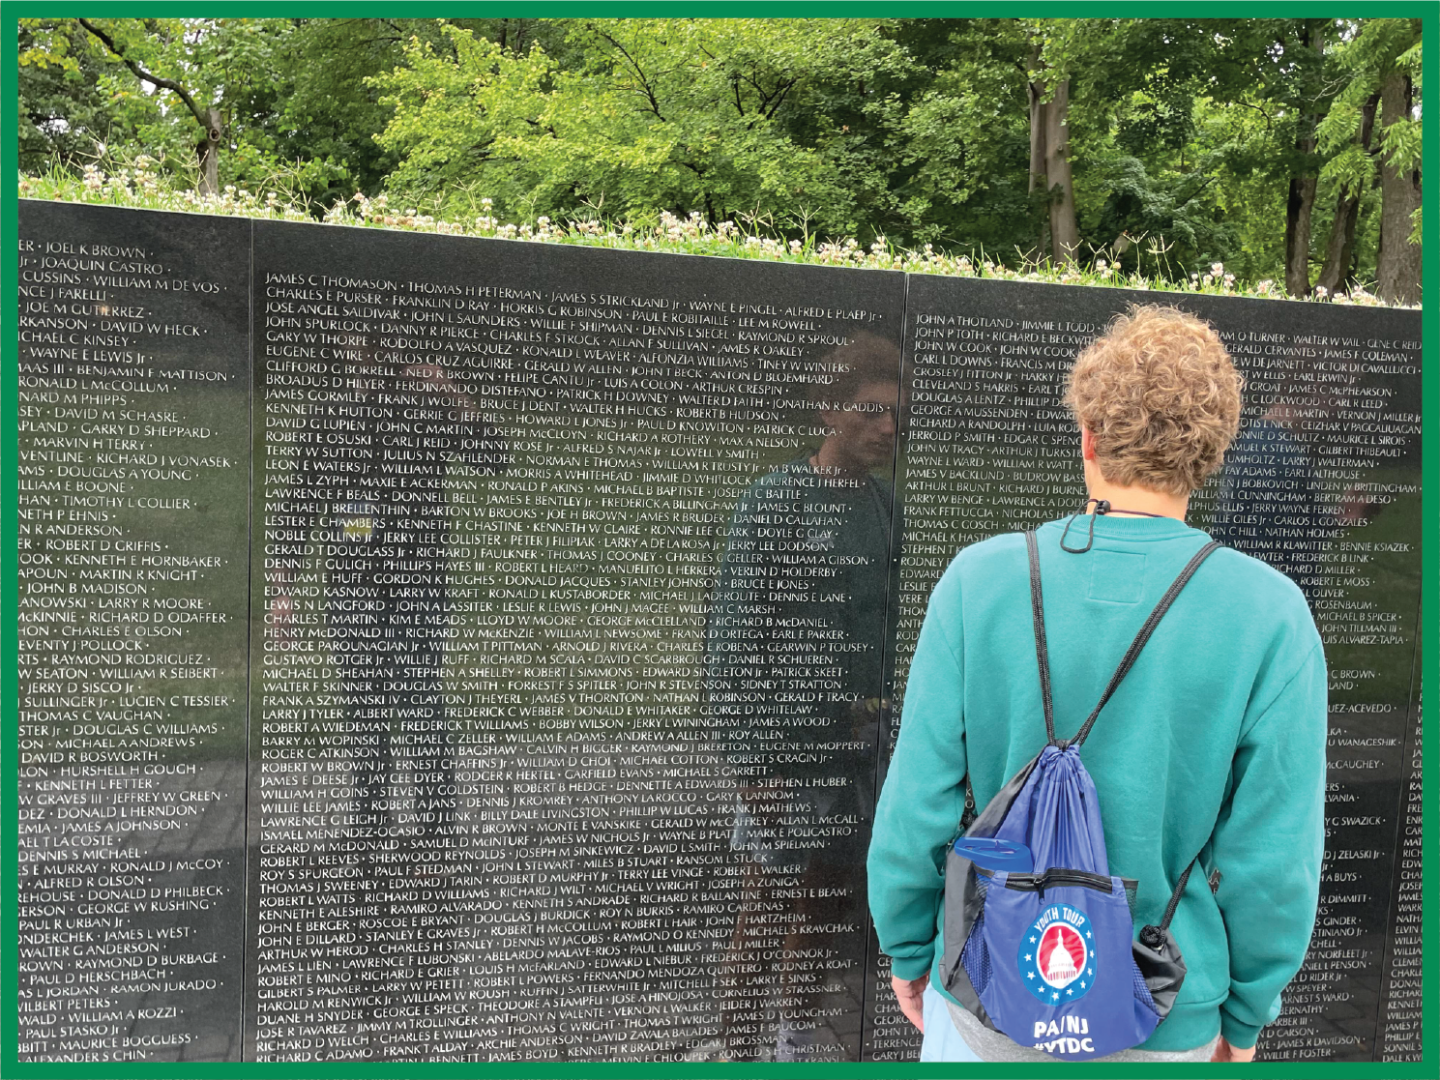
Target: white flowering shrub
141	183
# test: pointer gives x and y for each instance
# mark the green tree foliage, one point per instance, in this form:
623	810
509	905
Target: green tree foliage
959	171
290	94
1364	59
722	117
320	103
1160	145
1379	63
63	111
178	88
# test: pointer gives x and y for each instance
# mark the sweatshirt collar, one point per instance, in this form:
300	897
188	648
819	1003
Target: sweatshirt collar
1111	527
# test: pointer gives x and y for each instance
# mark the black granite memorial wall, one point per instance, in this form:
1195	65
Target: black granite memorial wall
520	651
134	458
438	648
1323	482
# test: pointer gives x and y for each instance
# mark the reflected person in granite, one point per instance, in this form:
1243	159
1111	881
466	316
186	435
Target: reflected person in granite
371	475
794	673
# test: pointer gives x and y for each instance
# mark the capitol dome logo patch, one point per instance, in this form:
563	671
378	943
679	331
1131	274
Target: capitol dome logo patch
1057	955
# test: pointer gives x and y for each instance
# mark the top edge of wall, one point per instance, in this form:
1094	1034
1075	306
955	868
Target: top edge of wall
919	275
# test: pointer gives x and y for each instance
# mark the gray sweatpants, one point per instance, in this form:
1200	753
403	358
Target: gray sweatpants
986	1045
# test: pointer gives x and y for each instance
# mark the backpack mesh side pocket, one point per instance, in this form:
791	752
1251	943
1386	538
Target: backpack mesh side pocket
975	956
1142	992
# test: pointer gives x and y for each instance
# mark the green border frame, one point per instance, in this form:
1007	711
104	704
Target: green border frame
1430	658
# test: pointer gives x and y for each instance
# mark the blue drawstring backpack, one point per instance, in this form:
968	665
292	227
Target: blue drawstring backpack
1046	955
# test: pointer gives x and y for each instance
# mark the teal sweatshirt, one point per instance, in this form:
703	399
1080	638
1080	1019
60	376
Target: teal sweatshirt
1214	744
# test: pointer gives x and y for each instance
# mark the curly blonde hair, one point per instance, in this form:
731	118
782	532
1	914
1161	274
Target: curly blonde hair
1160	396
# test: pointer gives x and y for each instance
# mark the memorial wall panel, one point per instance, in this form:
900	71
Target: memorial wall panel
542	711
1323	483
133	538
1398	1037
569	679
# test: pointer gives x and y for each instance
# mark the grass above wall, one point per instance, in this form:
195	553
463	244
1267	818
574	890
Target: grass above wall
141	185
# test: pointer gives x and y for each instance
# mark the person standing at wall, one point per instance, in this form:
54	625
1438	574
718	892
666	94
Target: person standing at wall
1214	743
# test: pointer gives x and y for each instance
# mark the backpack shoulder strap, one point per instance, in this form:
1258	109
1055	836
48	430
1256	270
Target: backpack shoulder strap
1144	635
1153	936
1037	611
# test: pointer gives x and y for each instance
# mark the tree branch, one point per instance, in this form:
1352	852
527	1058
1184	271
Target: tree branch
141	73
769	102
398	35
639	74
1264	115
360	43
780	99
548	128
1189	198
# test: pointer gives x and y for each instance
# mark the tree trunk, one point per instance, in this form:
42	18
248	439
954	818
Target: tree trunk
1301	201
1050	165
208	150
1398	265
1037	156
1297	232
1064	233
1340	251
